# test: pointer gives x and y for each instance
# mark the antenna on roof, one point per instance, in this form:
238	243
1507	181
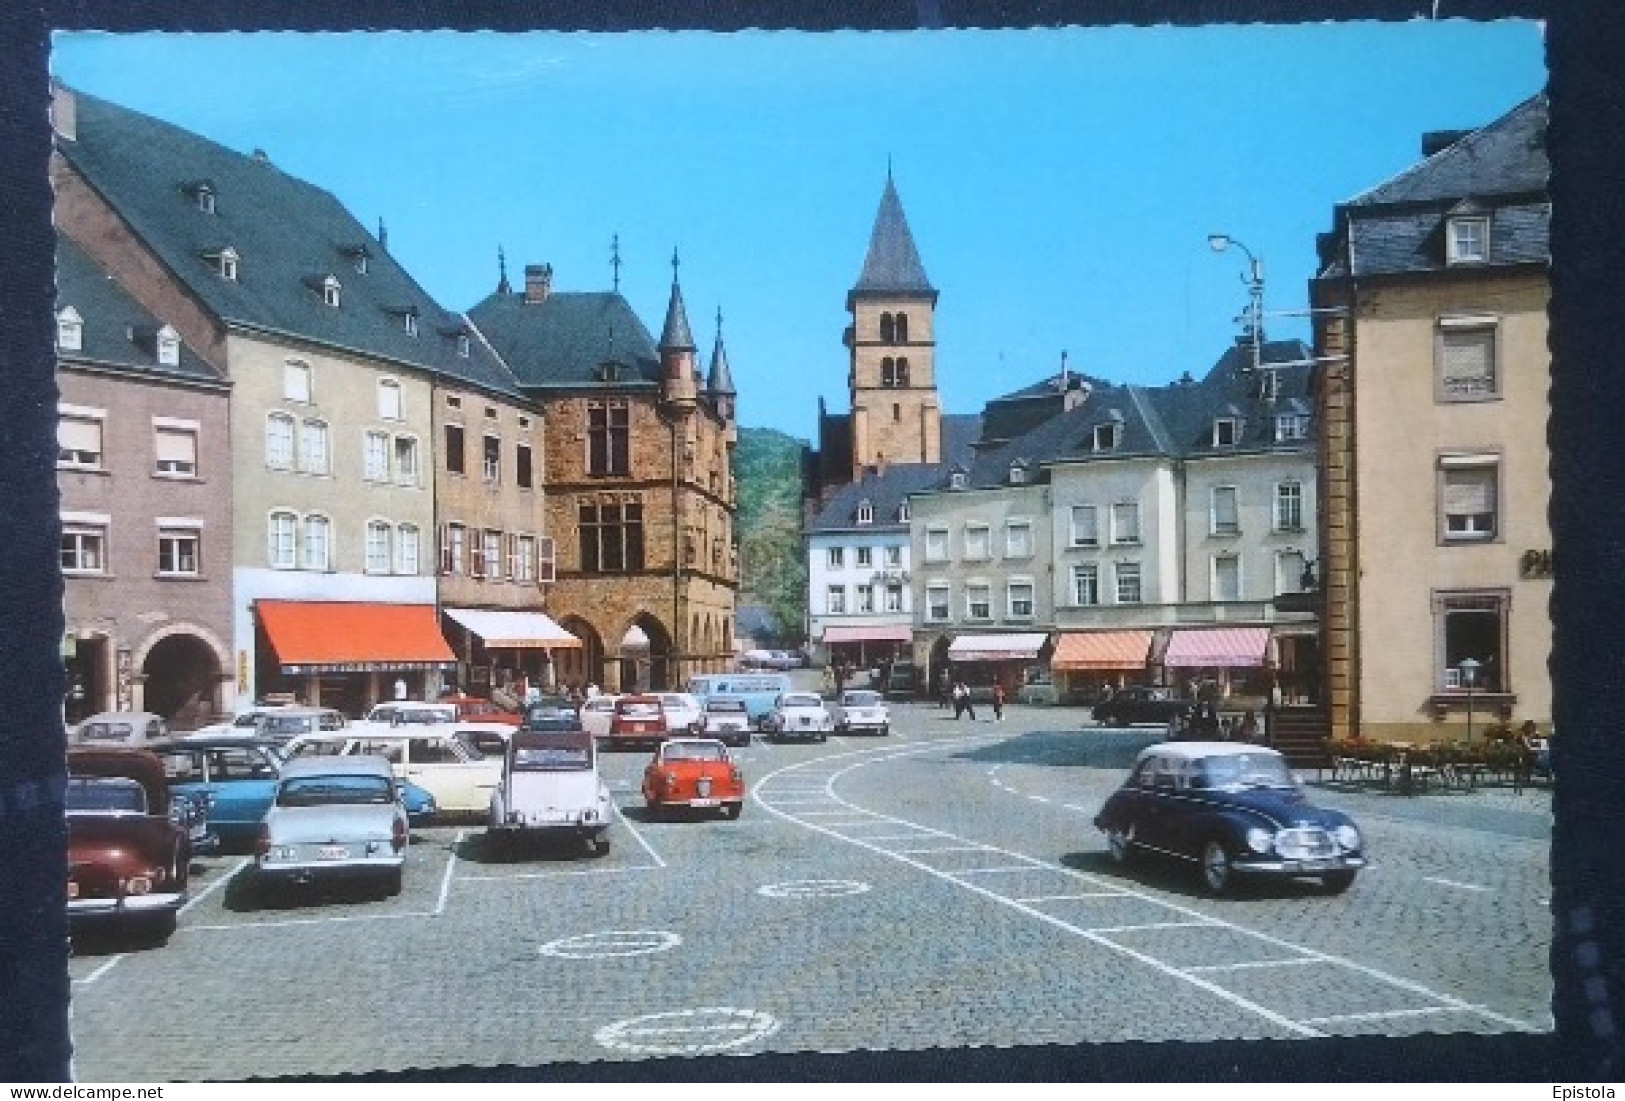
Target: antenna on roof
503	287
383	233
615	259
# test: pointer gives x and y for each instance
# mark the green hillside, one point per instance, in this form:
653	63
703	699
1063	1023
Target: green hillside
773	567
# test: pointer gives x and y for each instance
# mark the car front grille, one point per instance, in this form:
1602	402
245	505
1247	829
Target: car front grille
1305	843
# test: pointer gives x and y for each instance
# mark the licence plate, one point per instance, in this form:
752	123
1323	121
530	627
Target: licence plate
1317	865
332	852
705	802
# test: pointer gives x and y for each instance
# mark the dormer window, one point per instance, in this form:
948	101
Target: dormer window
866	512
331	288
1226	432
902	513
1291	426
956	480
70	330
462	345
410	320
1106	436
167	347
1018	473
202	195
1467	239
224	262
357	255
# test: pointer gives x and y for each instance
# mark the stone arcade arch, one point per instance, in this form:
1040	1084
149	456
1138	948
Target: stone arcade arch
586	665
643	657
180	670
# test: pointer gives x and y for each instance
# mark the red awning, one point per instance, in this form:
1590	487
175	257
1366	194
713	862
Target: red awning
868	634
337	637
1217	648
1081	650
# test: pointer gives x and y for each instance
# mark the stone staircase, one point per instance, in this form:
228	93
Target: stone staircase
1300	733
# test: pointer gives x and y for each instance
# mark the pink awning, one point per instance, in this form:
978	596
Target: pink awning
877	633
1217	647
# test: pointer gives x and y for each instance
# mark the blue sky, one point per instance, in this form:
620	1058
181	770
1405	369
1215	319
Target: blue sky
1061	185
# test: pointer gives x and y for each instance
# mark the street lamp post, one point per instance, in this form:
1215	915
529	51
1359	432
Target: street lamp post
1469	674
1254	279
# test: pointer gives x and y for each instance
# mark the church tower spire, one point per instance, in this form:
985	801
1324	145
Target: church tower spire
896	409
679	384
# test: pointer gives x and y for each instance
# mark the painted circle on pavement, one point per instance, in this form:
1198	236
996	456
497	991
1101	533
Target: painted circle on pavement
813	888
687	1031
616	942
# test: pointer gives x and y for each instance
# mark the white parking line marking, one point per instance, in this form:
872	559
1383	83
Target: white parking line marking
1034	866
445	881
555	875
346	919
1063	898
1385	1014
1038	798
1453	883
102	970
899	837
1107	930
859	759
216	885
937	849
1074	806
1294	962
637	834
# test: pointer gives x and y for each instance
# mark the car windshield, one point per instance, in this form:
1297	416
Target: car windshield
423	716
799	700
726	707
106	732
551	758
639	710
1250	770
320	791
860	699
693	751
319	747
105	793
250	719
286	726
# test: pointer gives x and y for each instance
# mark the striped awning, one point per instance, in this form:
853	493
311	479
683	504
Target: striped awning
875	633
1217	648
1076	651
997	647
506	630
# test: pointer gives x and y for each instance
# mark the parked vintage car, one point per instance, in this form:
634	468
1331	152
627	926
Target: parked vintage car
1230	810
480	710
551	712
683	714
129	851
127	728
862	710
727	719
551	786
694	773
638	720
490	738
432	757
280	723
596	712
334	818
412	713
800	715
1141	704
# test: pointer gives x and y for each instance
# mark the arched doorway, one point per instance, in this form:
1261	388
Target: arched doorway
645	656
181	679
586	665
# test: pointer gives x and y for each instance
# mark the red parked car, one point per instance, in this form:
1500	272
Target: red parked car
637	721
473	709
128	853
694	773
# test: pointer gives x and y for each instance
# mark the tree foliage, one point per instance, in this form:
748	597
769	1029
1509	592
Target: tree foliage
773	567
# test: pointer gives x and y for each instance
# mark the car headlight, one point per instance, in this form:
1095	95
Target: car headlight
1348	836
1260	840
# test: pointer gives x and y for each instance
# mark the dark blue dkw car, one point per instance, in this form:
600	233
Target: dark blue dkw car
1231	810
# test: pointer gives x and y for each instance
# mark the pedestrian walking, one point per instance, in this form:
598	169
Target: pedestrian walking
964	694
945	689
998	702
829	680
958	694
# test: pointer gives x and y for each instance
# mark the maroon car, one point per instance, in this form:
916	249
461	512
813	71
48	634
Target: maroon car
128	856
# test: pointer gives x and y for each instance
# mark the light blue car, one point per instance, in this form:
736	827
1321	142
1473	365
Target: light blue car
236	778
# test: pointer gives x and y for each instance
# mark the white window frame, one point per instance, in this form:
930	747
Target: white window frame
1131	537
524	559
280	436
1289	505
866	599
1467	239
1481	465
1291	426
1124	573
181	454
835	600
936	544
1473	329
88	421
70	330
1105	437
315	447
332	292
375	456
1215	566
316	543
407	468
956	480
1018	474
1218	523
298	382
903	511
167	347
1226	431
894	597
835	558
894	557
866	512
1012	601
978	594
1289	566
282	539
865	557
87	536
1075	536
225	263
1018	539
178	532
1086	572
379	550
408	550
938	602
391	400
978	542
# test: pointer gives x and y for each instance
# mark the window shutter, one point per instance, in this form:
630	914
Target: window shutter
445	548
545	573
1467	360
79	435
176	447
1469	491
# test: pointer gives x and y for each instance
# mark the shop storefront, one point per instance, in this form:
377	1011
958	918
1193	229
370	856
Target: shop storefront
349	656
866	647
981	661
506	650
1220	663
1085	663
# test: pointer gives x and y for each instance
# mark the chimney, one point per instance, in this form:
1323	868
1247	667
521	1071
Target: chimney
538	282
64	112
1435	140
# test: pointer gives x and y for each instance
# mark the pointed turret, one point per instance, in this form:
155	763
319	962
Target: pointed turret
892	265
680	383
719	384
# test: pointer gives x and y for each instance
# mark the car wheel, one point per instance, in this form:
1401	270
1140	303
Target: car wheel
1337	882
156	929
731	810
1118	843
822	736
392	883
598	845
1217	873
885	730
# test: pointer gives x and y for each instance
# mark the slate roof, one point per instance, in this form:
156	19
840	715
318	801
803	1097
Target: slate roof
110	317
1174	421
675	335
1500	171
720	380
289	234
563	340
886	490
892	265
1022	410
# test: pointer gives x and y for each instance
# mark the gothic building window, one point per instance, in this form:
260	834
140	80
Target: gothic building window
608	439
902	371
611	536
900	329
888	372
888	331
